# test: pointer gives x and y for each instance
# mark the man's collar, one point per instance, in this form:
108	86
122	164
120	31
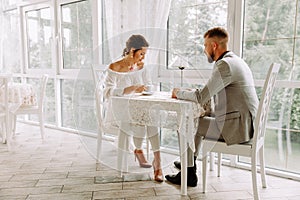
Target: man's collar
223	54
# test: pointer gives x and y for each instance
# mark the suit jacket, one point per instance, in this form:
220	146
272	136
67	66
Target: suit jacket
236	102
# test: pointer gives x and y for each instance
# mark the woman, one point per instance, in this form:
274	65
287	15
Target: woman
126	76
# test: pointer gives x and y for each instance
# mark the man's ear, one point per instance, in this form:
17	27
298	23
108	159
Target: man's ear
215	44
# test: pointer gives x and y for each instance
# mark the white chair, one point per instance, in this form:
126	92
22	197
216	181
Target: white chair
36	109
4	106
107	128
252	149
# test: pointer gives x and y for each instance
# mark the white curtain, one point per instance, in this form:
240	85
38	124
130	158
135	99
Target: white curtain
146	17
1	38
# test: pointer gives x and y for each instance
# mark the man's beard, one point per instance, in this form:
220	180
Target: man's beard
210	58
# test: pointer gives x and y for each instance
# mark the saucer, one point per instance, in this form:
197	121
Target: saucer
147	93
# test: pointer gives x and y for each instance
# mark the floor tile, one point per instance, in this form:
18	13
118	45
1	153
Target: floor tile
63	167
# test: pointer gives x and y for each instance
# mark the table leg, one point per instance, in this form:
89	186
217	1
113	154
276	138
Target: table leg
183	160
212	161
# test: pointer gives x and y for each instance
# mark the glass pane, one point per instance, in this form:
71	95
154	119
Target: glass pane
268	20
11	42
8	3
188	21
282	150
270	36
39	35
50	103
84	109
67	89
259	56
78	105
296	72
77	35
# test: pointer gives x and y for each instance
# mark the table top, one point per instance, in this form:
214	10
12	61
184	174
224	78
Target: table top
163	99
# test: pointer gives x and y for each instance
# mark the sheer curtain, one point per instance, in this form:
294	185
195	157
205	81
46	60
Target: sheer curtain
1	38
126	17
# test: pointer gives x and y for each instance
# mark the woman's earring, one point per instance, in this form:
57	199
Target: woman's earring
131	52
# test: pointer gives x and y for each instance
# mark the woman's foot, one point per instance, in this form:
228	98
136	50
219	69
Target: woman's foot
158	175
139	155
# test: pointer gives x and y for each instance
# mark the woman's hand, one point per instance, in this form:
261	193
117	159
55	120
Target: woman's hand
134	89
140	64
174	91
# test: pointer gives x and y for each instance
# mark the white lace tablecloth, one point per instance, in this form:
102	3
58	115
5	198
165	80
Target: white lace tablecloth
20	94
160	110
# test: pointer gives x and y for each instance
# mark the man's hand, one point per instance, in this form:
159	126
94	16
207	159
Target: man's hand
140	88
175	90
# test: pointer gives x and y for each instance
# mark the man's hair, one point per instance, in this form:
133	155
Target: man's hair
219	33
216	32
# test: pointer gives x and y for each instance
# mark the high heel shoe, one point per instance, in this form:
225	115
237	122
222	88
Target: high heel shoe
158	175
139	155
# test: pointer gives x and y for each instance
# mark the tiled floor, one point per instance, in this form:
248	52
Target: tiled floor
62	168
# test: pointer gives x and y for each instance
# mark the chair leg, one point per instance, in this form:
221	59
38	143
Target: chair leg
4	132
99	146
262	167
204	171
254	177
41	118
219	163
14	126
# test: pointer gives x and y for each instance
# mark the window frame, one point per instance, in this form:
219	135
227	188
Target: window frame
234	28
24	38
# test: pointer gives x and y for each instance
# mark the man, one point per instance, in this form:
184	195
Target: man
232	87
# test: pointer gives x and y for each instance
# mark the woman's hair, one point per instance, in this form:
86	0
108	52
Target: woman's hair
135	41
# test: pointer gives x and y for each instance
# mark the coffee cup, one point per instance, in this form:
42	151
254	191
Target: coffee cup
149	88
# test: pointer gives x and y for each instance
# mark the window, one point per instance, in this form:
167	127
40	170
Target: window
77	107
271	34
38	29
58	41
188	21
76	31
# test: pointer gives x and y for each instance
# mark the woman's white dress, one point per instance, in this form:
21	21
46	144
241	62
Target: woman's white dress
114	85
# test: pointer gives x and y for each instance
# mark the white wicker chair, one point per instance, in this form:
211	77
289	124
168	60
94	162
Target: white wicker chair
37	109
253	149
4	107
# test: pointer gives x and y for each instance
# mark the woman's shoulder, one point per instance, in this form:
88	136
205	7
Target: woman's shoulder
116	67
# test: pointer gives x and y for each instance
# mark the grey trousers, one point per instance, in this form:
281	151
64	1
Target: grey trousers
207	127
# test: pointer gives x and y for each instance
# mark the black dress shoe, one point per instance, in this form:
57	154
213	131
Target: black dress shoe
175	178
177	164
192	178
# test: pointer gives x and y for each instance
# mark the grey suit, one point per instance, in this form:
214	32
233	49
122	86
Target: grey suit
232	86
